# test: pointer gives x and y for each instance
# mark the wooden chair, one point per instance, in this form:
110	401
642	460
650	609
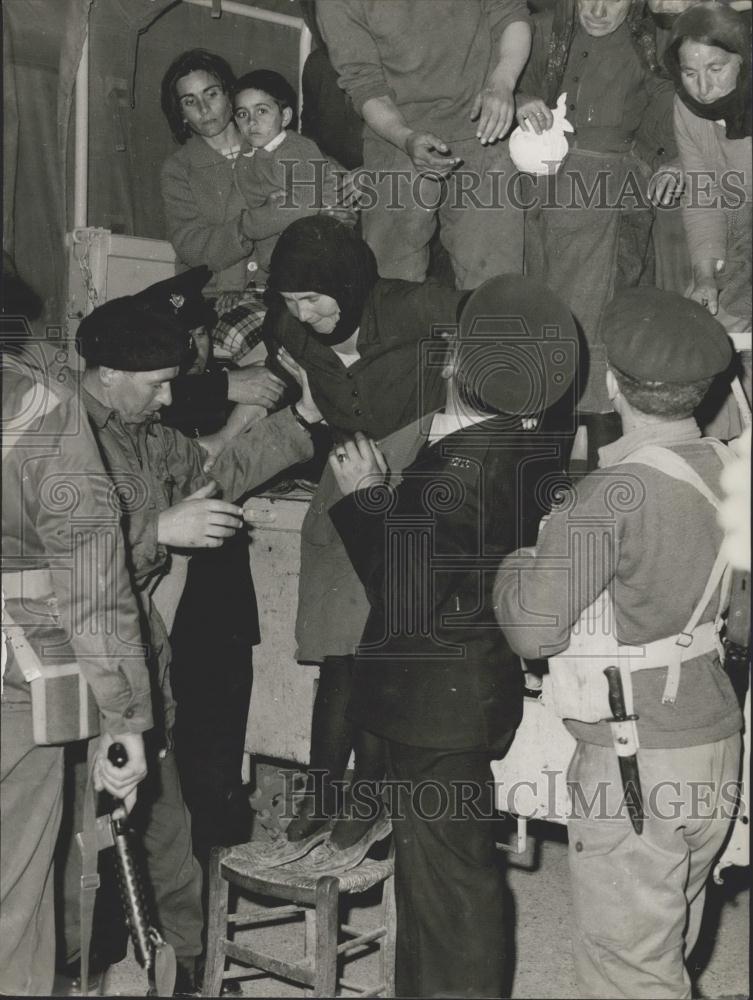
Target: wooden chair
317	898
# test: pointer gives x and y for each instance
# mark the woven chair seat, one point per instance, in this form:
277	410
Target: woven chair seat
242	860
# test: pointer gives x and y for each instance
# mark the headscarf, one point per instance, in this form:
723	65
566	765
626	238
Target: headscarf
719	25
642	35
320	254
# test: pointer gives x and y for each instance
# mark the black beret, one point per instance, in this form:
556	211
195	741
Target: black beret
659	336
181	298
518	345
127	335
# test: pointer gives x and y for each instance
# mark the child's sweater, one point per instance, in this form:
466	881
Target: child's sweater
296	166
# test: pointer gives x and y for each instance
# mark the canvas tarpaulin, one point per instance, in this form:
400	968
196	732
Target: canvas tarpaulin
42	50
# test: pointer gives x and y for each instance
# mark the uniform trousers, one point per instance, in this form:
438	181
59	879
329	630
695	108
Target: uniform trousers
31	801
448	883
481	227
162	834
638	900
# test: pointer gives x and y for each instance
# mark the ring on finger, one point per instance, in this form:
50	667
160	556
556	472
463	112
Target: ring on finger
340	456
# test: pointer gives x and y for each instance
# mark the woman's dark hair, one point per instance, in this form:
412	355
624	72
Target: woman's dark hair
269	82
185	63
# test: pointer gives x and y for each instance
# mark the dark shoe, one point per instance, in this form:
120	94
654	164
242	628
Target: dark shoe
187	983
67	982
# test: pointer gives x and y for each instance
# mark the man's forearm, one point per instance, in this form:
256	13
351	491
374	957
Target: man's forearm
384	117
513	49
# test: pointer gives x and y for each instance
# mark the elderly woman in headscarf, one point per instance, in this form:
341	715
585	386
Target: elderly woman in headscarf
708	57
588	230
359	339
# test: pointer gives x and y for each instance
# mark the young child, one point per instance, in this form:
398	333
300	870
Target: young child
282	175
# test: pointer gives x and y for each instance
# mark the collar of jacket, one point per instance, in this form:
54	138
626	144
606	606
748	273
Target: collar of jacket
669	433
201	155
100	414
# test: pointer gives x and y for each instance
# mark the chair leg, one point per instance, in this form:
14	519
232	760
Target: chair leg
309	944
327	924
387	944
216	925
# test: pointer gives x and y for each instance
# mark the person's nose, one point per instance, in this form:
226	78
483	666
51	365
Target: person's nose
305	312
599	10
165	395
704	85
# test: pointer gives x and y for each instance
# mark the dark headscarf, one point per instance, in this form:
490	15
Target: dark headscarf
728	29
642	35
320	254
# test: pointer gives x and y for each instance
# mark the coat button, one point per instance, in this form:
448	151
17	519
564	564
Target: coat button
349	374
572	107
129	713
578	846
357	412
354	394
661	151
585	54
576	79
252	266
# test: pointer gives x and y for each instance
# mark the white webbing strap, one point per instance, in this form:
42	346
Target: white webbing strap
674	465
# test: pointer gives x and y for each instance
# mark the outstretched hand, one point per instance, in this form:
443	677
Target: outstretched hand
201	521
306	405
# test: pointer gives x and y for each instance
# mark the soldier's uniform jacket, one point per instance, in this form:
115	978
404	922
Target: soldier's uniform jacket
433	669
59	516
154	467
654	540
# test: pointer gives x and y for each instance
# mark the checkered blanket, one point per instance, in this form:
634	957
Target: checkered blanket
239	323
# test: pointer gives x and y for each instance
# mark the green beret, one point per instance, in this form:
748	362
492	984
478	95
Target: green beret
659	336
127	335
518	349
180	297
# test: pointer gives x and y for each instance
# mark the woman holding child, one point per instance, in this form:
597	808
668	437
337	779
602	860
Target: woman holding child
224	190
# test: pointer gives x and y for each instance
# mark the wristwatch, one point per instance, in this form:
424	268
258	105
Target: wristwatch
307	425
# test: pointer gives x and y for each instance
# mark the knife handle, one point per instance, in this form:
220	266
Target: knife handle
117	754
616	695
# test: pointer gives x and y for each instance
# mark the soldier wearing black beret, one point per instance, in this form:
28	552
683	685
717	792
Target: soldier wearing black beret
641	534
133	353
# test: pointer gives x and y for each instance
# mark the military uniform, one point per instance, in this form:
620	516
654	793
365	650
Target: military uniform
57	519
152	468
638	899
434	677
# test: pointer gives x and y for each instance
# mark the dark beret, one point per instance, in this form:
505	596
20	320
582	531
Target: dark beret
659	336
518	345
181	298
127	335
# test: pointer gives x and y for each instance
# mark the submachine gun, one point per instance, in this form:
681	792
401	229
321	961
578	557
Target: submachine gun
152	952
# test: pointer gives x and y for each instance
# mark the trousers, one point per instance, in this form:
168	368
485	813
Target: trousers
638	900
481	227
448	882
162	833
31	797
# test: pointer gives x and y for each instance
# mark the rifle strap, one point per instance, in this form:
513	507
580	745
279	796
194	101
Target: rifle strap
89	847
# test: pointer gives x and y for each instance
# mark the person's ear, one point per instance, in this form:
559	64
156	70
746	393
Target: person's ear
451	362
613	386
287	117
